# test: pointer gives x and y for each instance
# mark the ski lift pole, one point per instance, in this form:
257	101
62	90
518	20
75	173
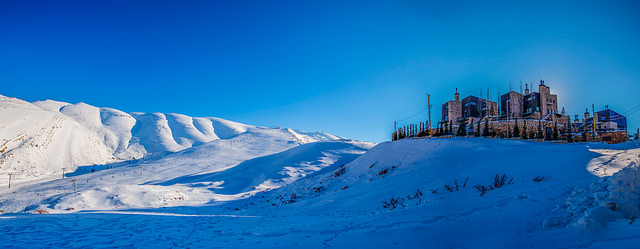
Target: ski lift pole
10	175
75	185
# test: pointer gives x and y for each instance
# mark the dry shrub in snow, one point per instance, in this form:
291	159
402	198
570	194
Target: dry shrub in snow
393	203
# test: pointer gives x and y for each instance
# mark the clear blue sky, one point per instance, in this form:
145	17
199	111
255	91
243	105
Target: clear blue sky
348	68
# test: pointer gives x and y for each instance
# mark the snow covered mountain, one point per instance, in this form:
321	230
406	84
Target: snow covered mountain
42	138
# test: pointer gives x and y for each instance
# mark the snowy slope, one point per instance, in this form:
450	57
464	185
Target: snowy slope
41	138
328	198
35	142
221	170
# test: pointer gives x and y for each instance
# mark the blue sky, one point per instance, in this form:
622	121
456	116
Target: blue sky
348	68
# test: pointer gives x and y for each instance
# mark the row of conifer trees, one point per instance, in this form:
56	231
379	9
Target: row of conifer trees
447	129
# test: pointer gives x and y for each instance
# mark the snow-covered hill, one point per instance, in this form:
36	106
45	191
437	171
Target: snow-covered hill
42	138
412	193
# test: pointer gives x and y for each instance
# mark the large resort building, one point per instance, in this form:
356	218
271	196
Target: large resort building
532	110
471	108
541	105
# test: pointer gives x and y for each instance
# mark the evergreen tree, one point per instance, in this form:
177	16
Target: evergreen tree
540	134
569	130
394	136
555	131
423	130
524	131
446	129
532	135
486	128
450	127
516	129
478	129
462	129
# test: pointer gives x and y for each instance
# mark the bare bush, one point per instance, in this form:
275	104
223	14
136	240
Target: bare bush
500	181
393	203
448	188
455	186
540	178
415	195
382	172
482	189
340	171
41	211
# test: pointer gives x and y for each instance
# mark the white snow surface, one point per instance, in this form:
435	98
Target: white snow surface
324	195
41	138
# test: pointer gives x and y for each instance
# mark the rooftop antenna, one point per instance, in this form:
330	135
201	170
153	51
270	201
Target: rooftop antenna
533	88
521	86
488	96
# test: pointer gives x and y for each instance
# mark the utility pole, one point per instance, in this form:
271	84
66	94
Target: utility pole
62	173
429	106
593	109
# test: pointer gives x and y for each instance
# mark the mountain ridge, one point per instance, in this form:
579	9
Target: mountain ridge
43	137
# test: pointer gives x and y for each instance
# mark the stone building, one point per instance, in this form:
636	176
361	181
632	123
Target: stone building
472	109
532	105
535	114
511	101
537	105
452	109
607	120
